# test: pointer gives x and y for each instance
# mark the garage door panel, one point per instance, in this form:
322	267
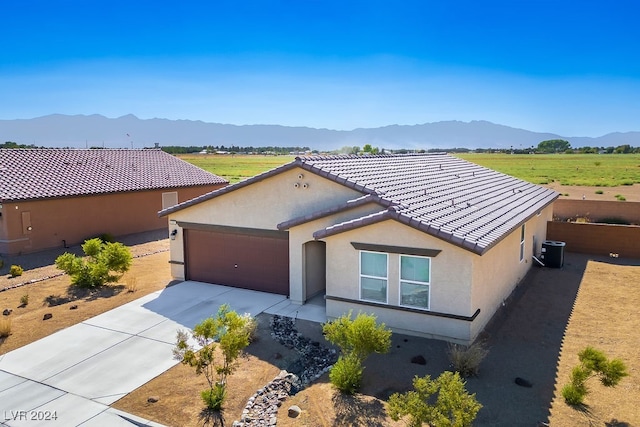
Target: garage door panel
242	260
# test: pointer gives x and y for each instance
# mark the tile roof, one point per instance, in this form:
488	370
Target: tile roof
28	174
450	198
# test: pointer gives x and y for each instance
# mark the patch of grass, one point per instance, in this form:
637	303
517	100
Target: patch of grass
5	328
236	168
620	197
574	169
599	192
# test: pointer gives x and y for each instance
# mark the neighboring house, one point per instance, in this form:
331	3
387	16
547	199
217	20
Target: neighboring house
56	197
430	243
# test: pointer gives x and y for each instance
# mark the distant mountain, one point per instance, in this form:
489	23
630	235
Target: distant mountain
81	131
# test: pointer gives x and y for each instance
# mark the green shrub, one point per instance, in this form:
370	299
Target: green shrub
214	397
346	374
443	402
24	300
620	197
599	192
107	238
466	360
16	271
357	339
231	332
104	263
593	362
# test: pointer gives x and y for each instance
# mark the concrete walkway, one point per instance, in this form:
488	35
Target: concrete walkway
75	374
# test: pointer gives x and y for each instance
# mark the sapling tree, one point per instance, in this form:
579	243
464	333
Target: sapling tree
357	339
443	402
103	263
232	332
593	363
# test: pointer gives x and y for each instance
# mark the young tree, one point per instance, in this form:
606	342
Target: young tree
233	333
103	263
443	402
593	363
357	339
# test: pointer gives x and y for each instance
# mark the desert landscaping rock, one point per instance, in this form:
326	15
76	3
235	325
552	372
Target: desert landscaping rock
73	307
47	316
7	311
419	360
313	361
294	411
153	399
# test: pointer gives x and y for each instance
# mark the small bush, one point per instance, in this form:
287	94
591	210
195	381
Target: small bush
620	197
466	360
132	284
5	328
599	192
24	300
16	271
597	163
107	238
214	398
346	374
250	326
573	395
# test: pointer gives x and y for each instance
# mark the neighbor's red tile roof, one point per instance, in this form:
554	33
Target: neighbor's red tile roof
28	174
458	201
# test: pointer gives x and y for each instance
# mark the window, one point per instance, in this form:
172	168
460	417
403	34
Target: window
522	243
415	278
373	276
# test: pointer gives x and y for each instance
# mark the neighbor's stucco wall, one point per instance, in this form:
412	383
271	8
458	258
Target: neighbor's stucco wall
451	278
263	205
75	219
499	271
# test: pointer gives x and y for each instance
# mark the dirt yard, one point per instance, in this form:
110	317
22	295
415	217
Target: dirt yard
552	315
630	192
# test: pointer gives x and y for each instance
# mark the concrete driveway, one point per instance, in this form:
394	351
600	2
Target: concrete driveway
71	377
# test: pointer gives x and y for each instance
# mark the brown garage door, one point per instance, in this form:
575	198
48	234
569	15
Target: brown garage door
250	259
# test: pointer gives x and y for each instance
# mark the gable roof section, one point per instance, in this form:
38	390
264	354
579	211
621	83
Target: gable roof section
458	201
29	174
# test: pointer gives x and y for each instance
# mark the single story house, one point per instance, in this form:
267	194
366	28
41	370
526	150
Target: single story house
429	243
57	197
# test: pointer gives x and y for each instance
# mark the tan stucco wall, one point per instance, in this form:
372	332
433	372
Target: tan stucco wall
261	205
75	219
498	272
451	272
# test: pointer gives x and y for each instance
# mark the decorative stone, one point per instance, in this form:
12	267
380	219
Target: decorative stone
419	360
153	399
47	316
294	411
73	307
7	311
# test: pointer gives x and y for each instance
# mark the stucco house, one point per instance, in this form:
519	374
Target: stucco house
429	243
56	197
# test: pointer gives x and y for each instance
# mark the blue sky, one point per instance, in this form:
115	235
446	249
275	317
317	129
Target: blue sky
567	67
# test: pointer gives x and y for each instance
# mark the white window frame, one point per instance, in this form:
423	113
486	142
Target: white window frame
522	241
414	282
386	278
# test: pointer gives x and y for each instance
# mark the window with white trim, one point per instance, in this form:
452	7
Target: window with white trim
415	281
522	243
373	276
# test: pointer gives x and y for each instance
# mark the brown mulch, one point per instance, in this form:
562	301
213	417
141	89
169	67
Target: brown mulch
630	192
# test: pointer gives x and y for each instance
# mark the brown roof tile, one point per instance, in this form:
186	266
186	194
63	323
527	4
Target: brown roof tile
450	198
27	174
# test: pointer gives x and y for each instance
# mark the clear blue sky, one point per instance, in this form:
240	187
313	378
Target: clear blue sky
568	67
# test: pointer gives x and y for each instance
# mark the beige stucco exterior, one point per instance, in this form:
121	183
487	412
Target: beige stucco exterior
465	288
30	226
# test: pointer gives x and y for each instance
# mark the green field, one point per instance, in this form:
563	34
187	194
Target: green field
235	168
599	170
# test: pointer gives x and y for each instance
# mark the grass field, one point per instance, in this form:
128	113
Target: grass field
593	170
235	168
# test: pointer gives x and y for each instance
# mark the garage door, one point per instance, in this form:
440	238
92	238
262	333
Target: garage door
250	259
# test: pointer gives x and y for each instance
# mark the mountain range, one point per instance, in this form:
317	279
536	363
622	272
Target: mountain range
80	131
